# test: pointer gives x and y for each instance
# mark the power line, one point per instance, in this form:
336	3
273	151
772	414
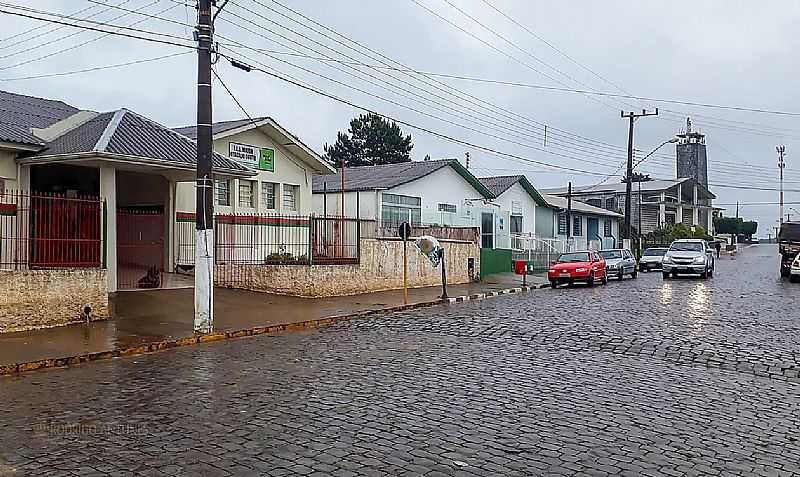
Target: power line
38	27
85	27
291	80
96	68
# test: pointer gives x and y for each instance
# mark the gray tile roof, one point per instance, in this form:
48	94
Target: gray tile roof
19	113
386	176
619	187
219	127
500	184
578	206
126	133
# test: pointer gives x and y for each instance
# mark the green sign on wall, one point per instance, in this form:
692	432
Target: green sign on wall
266	160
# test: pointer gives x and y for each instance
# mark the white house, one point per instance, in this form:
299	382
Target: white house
591	227
440	192
529	213
284	166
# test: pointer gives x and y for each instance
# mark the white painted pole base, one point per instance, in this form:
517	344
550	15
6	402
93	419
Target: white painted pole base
204	282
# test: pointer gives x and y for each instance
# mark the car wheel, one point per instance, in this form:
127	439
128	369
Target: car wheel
711	273
642	269
665	275
793	278
605	279
553	284
785	272
704	275
621	276
634	274
590	281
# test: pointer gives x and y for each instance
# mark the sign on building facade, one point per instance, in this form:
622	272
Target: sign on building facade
261	158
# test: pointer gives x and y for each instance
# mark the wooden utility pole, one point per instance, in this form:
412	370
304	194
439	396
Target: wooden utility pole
631	117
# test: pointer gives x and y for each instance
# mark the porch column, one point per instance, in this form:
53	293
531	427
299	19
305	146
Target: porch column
695	218
108	191
710	222
662	210
170	209
24	179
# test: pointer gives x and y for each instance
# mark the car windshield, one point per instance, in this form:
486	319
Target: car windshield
573	257
607	254
654	252
687	247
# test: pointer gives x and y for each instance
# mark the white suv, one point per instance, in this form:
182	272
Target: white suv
688	256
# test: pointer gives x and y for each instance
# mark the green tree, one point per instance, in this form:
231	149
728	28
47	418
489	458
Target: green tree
728	225
749	228
371	140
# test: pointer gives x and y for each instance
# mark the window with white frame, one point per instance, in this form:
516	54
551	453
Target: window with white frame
247	196
576	227
449	208
562	224
611	203
269	191
516	224
222	192
396	209
290	197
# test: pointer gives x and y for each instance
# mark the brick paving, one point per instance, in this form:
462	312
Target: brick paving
643	377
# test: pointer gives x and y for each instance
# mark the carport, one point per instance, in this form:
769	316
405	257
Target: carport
131	166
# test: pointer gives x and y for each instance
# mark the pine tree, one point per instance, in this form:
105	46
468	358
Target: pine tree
371	140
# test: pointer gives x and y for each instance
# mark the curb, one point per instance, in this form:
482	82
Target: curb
481	296
17	368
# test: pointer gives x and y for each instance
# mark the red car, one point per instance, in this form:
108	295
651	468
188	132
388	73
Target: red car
585	266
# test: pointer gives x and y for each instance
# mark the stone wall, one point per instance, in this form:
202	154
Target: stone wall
381	268
45	298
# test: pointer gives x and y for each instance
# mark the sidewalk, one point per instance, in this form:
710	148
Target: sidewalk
144	317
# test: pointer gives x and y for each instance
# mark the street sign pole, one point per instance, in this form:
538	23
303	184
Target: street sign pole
444	275
404	231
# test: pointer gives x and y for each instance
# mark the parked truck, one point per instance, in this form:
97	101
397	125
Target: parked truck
788	245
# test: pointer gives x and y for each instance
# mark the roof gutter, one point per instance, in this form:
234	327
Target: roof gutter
121	158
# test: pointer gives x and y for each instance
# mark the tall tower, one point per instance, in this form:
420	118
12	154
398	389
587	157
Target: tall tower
691	153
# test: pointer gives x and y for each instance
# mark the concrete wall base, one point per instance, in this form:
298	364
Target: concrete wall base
36	299
381	268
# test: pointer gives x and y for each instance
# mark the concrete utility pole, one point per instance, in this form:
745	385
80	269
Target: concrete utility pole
569	212
781	165
204	216
631	117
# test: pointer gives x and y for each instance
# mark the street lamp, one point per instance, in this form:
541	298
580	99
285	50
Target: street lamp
668	141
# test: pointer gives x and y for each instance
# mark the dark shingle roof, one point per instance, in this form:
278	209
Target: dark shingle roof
387	176
126	133
20	113
219	127
500	184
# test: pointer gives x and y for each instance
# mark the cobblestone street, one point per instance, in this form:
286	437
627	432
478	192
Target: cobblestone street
641	377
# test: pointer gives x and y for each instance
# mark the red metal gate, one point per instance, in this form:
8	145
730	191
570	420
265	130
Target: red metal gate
140	248
65	232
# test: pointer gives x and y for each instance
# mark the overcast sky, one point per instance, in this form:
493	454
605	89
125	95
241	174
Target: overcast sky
723	52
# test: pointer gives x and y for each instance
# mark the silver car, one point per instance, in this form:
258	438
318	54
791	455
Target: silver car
688	256
652	258
619	262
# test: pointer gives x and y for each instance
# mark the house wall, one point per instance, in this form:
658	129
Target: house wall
46	298
381	268
545	222
289	170
8	169
442	186
367	204
517	194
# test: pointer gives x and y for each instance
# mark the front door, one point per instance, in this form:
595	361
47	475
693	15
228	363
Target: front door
592	230
487	230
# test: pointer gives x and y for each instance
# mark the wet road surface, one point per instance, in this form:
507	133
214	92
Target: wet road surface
642	377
